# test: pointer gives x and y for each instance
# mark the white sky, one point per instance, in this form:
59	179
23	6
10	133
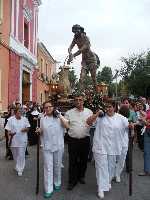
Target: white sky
116	28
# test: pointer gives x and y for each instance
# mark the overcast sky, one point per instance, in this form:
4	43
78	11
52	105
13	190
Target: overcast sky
116	28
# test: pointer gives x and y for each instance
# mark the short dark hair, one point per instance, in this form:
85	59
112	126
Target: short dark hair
110	102
126	99
125	111
51	102
78	94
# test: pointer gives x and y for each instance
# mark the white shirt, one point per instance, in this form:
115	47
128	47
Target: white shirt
78	128
109	134
126	138
52	137
15	125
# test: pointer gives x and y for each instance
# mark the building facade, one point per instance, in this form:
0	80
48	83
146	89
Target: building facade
5	10
23	50
46	68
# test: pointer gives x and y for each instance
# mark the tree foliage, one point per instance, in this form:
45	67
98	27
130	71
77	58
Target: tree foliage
105	75
135	72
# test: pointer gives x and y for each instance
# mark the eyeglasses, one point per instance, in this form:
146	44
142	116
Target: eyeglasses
46	107
78	99
109	106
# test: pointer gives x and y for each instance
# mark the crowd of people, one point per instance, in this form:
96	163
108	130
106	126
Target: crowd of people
100	134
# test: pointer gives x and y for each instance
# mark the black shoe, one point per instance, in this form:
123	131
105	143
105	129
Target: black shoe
71	186
89	159
127	170
82	181
10	158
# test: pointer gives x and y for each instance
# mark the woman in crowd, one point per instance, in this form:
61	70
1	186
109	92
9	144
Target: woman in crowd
9	155
17	127
107	144
139	124
131	107
33	118
146	147
52	136
124	111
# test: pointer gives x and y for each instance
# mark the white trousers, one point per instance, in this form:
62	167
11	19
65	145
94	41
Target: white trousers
52	169
105	168
19	157
120	161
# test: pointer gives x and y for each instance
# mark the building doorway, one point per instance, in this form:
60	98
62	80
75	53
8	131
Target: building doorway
25	86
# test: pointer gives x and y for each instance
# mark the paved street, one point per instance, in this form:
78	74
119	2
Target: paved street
23	188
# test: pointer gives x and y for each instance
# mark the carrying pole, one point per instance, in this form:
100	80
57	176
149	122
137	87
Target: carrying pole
37	159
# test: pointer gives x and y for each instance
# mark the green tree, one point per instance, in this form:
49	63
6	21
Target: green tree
129	64
135	72
98	77
105	75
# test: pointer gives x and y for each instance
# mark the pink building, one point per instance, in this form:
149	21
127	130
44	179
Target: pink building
23	50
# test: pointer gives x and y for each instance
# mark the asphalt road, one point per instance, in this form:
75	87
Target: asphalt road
13	187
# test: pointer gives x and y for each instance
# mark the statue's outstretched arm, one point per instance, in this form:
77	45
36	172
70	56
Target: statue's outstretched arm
77	53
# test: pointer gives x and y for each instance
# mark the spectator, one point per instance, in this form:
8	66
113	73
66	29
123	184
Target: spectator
146	147
124	111
139	125
9	155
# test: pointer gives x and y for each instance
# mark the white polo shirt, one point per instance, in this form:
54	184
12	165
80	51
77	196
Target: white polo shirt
52	137
78	128
15	125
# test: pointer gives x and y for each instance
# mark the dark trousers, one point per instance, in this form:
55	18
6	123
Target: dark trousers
147	151
8	150
140	138
128	156
78	150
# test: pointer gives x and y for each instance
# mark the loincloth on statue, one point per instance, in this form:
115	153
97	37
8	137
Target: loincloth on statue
89	61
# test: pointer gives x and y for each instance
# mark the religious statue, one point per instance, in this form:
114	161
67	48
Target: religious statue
90	60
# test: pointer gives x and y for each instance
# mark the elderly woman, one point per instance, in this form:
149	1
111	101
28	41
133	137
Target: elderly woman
52	136
107	144
17	127
139	124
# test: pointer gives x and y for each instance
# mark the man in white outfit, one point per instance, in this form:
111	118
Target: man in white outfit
107	143
78	141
